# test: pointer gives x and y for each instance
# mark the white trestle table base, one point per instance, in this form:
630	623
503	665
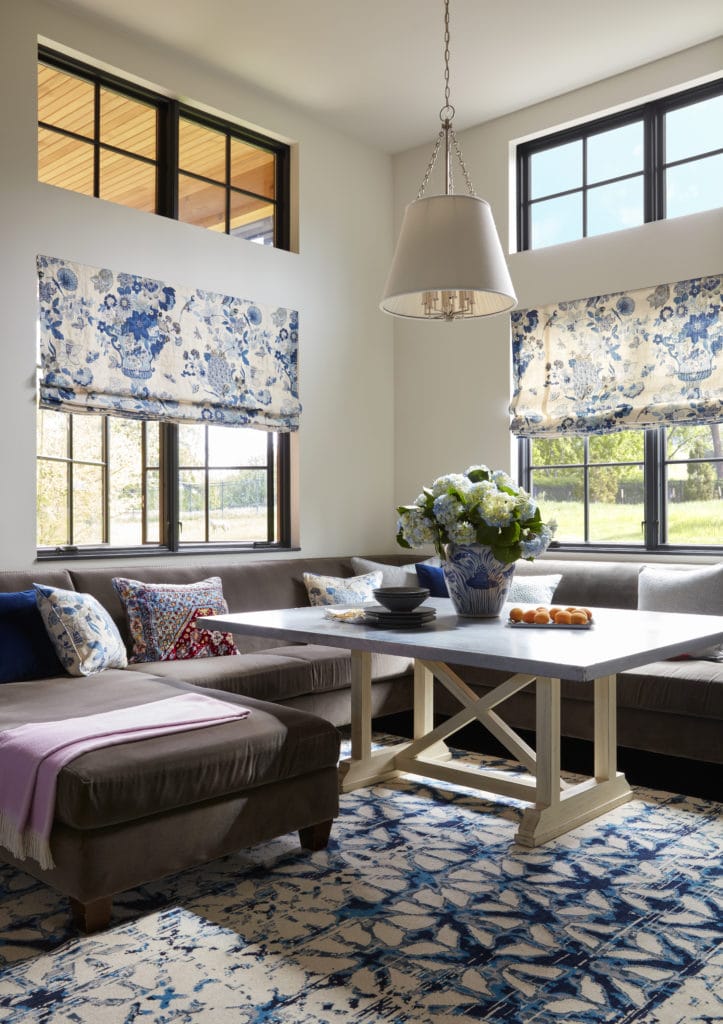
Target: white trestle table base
557	806
618	640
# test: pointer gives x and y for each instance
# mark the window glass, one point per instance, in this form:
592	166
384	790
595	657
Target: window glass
87	508
65	162
252	218
201	204
253	169
237	505
694	484
557	451
615	153
696	128
556	170
192	502
623	446
201	150
128	124
52	504
231	447
616	505
561	492
191	445
152	509
553	221
52	434
693	187
66	101
616	206
127	181
125	482
87	437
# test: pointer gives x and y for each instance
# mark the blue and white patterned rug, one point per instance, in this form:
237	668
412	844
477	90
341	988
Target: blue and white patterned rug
421	909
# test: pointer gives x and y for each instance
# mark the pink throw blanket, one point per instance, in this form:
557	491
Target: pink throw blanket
32	755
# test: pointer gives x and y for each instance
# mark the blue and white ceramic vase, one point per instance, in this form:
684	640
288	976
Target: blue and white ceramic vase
476	581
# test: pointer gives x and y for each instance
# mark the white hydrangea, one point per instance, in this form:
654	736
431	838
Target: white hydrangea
442	484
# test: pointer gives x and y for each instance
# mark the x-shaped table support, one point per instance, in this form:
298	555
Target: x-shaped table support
555	805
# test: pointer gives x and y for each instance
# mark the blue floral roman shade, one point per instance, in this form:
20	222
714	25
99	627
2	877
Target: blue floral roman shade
131	346
617	362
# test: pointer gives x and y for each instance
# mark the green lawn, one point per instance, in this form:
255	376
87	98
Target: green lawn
691	522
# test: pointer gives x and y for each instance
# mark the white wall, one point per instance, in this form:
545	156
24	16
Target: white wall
345	239
453	381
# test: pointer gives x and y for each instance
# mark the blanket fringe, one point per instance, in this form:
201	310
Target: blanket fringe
26	845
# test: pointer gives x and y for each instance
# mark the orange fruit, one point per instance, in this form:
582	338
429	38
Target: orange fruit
516	614
542	615
578	618
529	615
563	618
554	610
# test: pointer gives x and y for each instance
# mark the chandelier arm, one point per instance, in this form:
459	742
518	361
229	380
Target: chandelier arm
462	164
430	165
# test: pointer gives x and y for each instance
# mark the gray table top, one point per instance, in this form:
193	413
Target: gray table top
617	640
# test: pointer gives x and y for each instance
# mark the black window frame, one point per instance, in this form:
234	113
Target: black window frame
279	476
652	114
654	526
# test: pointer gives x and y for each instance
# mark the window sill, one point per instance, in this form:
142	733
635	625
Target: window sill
80	553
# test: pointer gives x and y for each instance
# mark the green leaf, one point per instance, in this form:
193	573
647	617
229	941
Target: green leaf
402	542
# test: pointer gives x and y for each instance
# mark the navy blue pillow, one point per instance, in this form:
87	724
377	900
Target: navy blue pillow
432	577
26	651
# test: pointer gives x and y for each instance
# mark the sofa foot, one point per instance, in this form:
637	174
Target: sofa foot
315	837
93	916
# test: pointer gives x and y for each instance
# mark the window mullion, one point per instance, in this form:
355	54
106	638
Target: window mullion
168	485
106	479
654	476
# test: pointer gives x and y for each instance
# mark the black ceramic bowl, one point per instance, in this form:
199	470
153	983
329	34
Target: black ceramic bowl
401	599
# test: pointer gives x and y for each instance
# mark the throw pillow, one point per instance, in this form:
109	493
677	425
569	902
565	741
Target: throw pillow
162	619
324	590
699	591
432	577
533	589
27	652
85	638
392	575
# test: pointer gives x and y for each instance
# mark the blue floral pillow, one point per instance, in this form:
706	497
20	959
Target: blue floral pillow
323	590
82	632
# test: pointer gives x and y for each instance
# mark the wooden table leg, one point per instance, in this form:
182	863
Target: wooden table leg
365	767
558	810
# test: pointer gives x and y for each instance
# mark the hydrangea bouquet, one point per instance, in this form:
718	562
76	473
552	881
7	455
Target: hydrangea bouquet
480	506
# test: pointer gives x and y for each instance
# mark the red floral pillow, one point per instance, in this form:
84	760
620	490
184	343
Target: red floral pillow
162	619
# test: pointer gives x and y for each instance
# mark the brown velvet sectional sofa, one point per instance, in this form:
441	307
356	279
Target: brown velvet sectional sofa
133	812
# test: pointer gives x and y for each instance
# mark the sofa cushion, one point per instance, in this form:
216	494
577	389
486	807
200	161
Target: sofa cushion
325	590
432	577
533	589
82	632
132	780
684	590
247	586
25	648
392	575
279	674
162	619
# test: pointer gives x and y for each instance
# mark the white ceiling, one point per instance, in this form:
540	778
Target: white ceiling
373	68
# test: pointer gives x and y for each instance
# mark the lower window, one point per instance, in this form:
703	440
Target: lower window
653	488
110	483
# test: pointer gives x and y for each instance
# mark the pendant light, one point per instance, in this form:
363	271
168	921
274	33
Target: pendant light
448	262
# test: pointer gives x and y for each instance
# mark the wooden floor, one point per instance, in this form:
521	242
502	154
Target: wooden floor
675	774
